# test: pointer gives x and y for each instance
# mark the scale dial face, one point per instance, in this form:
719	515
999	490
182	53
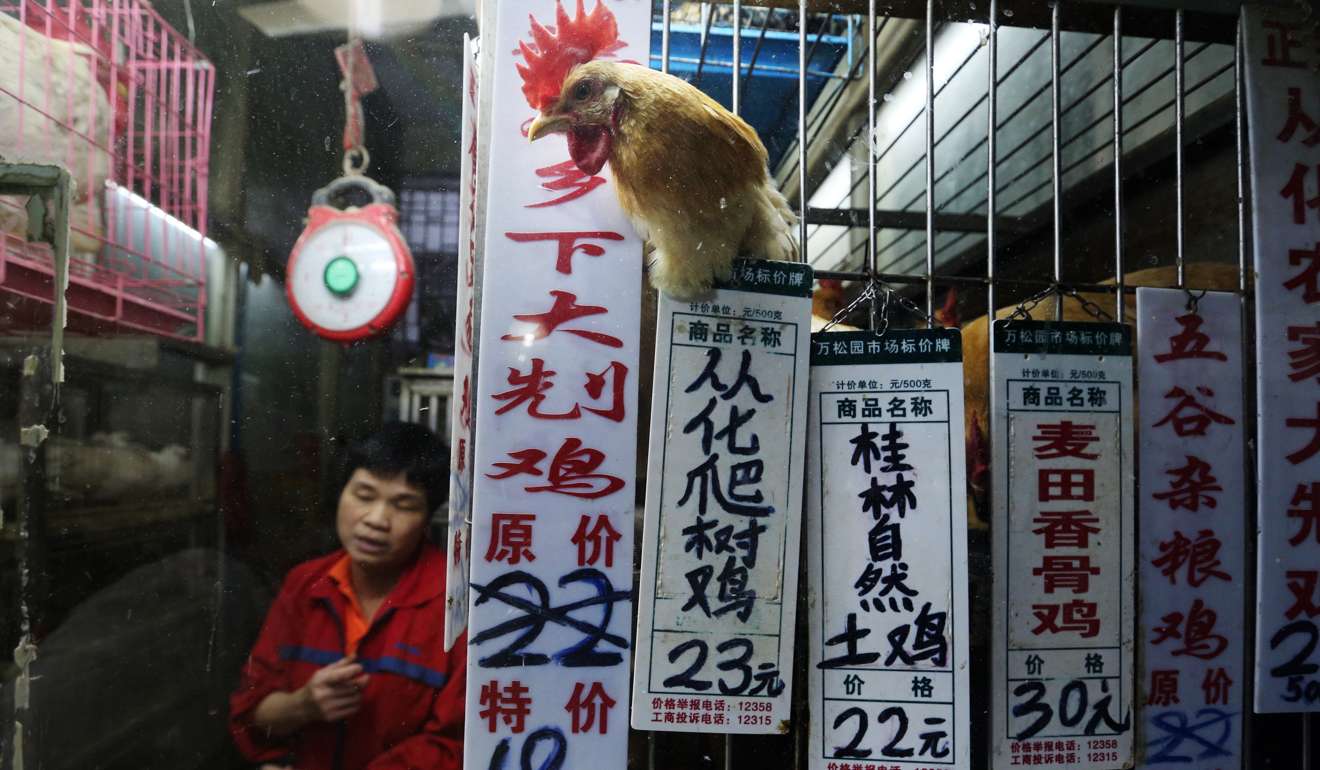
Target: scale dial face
344	279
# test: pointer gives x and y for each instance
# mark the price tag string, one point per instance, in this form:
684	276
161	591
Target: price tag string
881	297
1194	299
1023	310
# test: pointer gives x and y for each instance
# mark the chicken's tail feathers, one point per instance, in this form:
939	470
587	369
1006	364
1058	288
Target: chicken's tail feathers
772	232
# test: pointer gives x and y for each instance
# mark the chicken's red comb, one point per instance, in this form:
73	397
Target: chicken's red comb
555	51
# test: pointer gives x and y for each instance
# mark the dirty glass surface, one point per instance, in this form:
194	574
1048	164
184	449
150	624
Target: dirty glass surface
178	446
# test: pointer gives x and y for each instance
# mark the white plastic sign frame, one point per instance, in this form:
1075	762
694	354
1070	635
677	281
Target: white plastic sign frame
1064	561
888	625
1193	529
722	533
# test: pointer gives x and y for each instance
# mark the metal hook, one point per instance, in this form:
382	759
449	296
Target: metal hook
883	327
1094	310
1023	310
1194	300
352	168
837	318
875	309
878	291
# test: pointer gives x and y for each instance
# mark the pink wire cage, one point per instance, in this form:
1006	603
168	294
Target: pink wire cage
110	91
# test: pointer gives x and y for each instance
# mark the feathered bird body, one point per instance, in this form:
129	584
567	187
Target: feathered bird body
691	175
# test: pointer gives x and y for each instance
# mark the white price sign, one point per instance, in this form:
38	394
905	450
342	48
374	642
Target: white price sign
556	406
1193	532
720	549
1064	599
887	552
1283	105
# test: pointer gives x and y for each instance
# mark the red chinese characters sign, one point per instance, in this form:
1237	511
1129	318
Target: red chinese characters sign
1192	546
1283	105
555	404
1064	567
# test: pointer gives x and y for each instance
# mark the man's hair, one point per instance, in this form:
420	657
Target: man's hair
407	448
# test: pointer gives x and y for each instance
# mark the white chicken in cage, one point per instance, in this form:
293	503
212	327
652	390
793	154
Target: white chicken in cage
53	110
107	467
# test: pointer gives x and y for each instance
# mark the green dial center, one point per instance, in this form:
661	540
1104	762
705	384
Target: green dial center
341	276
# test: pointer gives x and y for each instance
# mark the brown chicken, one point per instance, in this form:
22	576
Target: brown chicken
691	175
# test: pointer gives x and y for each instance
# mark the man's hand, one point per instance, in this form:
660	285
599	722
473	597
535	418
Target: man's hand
334	692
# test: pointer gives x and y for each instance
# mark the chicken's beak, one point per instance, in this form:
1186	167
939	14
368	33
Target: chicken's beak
546	124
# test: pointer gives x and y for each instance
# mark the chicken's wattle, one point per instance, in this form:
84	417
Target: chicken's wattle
590	147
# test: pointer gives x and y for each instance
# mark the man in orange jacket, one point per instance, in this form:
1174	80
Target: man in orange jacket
349	672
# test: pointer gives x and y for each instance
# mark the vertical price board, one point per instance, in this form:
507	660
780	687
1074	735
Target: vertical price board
1064	563
556	414
887	552
723	520
1283	105
1193	532
459	547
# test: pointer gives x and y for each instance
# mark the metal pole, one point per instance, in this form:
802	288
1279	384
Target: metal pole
664	36
870	148
802	130
930	160
1054	158
728	751
1178	115
990	212
1118	162
737	56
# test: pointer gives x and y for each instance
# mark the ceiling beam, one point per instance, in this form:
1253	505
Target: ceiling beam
915	220
1206	20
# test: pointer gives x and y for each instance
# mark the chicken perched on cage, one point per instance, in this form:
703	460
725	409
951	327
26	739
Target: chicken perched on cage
691	175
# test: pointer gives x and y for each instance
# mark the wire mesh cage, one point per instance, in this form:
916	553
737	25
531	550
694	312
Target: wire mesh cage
977	157
110	91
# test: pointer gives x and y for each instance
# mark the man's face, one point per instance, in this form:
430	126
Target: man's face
380	520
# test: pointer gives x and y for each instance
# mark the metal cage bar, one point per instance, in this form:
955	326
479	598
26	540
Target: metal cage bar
1056	171
930	159
991	156
1118	160
1179	117
737	57
803	57
870	156
665	23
